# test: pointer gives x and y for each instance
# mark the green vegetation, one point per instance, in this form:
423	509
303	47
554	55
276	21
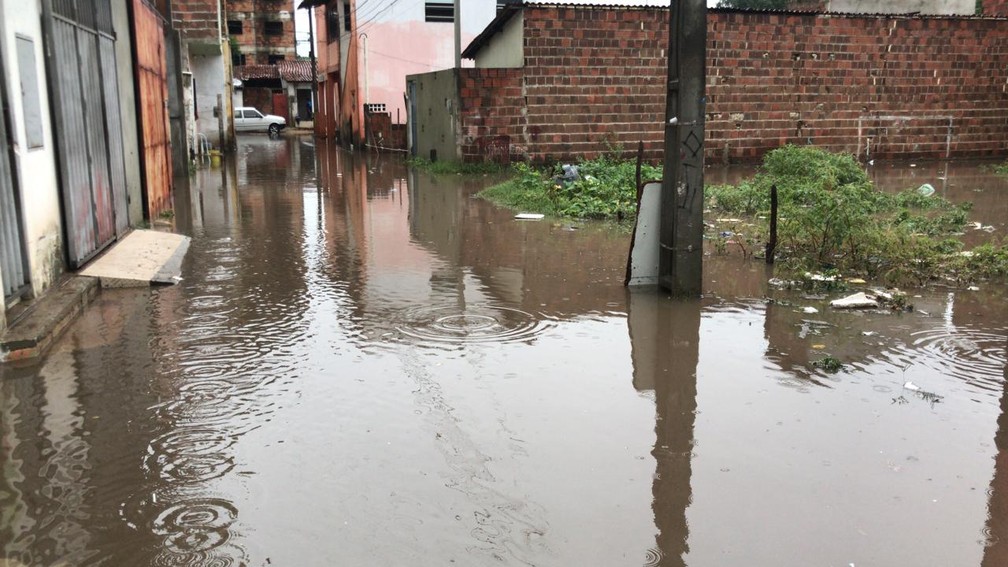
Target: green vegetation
828	364
1001	168
454	167
832	218
605	190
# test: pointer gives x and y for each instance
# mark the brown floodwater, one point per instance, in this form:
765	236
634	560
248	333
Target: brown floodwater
365	365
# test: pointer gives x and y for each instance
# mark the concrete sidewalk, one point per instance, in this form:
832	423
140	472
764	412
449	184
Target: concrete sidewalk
142	258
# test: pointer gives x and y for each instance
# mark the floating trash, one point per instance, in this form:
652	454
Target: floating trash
530	216
926	190
859	300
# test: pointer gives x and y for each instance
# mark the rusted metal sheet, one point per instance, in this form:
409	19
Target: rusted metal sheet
151	74
81	65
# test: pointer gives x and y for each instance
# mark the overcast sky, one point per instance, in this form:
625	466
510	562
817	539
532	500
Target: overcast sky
301	16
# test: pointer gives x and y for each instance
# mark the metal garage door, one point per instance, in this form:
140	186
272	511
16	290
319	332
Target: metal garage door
81	65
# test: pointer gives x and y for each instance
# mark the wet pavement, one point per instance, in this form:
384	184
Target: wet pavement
363	365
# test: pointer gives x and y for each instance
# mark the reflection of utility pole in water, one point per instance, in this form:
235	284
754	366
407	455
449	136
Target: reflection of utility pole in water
663	331
996	552
681	235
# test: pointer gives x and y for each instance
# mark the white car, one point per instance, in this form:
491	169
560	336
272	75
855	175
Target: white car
248	119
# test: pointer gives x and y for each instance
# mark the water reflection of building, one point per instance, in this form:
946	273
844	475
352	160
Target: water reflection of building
665	337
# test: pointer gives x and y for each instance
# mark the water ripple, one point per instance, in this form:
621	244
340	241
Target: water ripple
974	356
190	455
470	324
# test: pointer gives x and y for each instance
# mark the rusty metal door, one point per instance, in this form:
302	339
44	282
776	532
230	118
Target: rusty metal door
80	41
280	106
152	78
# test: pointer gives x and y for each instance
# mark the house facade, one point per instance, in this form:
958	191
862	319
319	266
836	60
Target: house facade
205	61
261	32
558	81
72	174
282	89
364	58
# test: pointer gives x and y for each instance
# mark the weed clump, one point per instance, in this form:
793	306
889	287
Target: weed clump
605	189
831	218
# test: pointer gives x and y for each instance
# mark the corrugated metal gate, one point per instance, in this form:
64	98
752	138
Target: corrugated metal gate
152	76
81	64
12	260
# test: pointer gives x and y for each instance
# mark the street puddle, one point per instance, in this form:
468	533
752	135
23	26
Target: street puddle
364	364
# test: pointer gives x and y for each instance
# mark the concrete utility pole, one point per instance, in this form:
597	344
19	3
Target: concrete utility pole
458	34
680	263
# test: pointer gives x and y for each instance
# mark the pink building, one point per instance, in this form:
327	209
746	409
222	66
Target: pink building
365	54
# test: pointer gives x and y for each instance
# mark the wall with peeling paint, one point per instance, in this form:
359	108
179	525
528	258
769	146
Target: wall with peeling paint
437	101
35	168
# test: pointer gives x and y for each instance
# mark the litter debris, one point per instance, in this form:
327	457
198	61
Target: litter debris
818	347
856	281
530	216
859	300
926	190
909	385
913	165
569	175
729	220
981	226
809	310
973	288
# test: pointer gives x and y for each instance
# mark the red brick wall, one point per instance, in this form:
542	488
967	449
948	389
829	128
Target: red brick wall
492	114
995	7
594	79
196	19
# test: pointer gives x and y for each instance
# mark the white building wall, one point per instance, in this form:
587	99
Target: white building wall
939	7
208	74
506	48
35	168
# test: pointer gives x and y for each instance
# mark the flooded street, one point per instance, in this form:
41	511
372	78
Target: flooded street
364	365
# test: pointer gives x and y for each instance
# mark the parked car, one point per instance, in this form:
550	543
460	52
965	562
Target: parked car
248	119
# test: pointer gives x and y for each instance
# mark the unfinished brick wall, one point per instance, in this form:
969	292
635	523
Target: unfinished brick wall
492	114
196	19
877	86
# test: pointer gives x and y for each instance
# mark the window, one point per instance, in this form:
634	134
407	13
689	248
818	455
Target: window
439	11
237	58
235	27
30	91
500	5
346	16
273	28
332	23
252	113
274	59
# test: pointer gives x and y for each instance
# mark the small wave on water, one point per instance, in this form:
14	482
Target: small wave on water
190	455
190	526
482	323
652	557
976	357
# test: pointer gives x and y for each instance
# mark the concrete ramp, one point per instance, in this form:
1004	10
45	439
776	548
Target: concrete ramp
144	257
